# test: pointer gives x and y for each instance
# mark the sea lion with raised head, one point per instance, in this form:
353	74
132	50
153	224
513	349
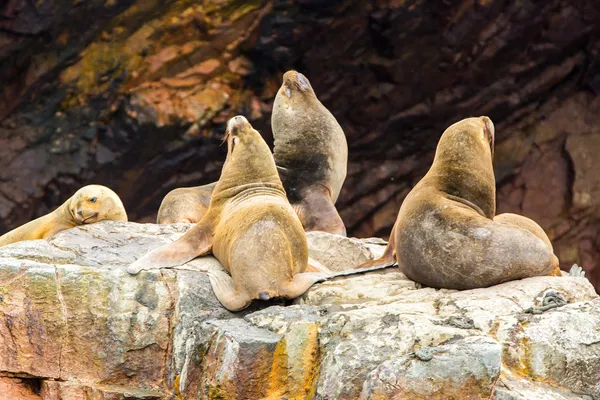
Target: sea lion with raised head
249	226
446	234
311	154
89	204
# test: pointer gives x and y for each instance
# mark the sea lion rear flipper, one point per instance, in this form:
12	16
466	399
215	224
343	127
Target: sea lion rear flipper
225	291
315	266
197	242
301	283
387	259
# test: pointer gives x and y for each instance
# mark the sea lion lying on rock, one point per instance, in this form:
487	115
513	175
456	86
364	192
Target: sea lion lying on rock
446	234
249	226
311	154
89	204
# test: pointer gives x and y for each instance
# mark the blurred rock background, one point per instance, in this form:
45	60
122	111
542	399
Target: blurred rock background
134	95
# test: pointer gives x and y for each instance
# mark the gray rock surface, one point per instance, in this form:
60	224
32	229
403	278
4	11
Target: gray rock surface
74	321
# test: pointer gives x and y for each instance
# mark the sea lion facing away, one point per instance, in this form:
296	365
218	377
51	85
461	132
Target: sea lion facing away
311	154
249	226
446	235
89	204
185	205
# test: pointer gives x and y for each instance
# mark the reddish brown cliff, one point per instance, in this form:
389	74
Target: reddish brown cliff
134	94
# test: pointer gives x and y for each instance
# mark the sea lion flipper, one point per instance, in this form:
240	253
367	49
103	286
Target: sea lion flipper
318	213
387	259
315	266
225	291
302	282
197	242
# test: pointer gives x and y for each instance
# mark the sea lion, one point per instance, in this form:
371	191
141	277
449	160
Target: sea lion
249	226
185	205
311	154
446	234
89	204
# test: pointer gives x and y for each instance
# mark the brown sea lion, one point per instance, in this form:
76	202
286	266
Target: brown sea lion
185	205
89	204
249	226
311	154
446	234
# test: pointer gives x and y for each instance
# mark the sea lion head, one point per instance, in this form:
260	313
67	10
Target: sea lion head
249	158
295	85
95	203
463	163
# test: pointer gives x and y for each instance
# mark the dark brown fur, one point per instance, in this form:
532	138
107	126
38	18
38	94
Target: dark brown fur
445	235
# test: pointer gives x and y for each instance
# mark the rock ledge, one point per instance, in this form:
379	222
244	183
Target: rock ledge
75	325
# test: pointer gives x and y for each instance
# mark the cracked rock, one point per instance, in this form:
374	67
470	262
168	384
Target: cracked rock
74	324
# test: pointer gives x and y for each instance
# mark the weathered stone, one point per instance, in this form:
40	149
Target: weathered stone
462	369
18	389
54	390
583	151
510	387
103	91
73	321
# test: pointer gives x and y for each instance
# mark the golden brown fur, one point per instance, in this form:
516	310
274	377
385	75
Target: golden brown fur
311	154
185	205
250	227
89	204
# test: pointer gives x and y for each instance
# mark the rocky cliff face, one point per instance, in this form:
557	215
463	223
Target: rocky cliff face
75	325
134	94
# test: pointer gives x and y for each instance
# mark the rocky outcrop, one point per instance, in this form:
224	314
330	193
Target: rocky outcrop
74	324
134	95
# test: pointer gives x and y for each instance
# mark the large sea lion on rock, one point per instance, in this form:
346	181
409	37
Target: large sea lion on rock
311	154
447	235
89	204
249	226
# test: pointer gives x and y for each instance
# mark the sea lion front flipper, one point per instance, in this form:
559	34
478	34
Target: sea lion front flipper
197	242
301	283
318	213
225	291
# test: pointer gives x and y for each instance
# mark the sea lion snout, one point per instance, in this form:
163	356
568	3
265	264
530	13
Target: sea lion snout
295	80
236	123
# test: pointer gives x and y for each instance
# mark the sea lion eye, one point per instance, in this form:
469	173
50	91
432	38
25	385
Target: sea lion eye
93	199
